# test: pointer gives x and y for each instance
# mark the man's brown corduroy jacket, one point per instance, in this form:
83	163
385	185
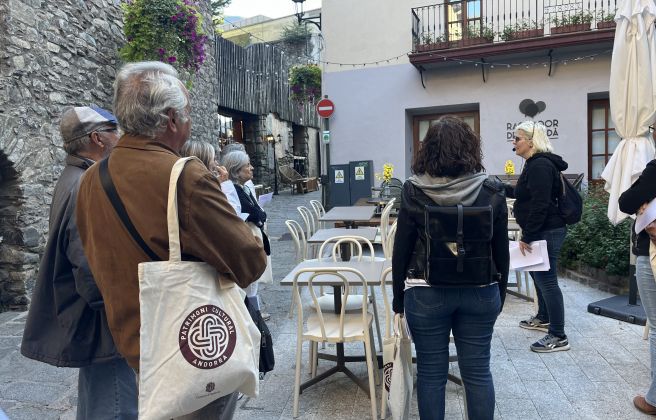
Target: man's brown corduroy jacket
210	231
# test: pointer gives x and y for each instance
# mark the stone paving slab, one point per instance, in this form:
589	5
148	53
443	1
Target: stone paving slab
597	379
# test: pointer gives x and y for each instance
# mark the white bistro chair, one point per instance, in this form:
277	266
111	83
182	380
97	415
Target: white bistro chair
319	211
384	226
326	326
353	301
310	224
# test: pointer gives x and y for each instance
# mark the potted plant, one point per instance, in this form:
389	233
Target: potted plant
430	43
477	34
579	21
305	83
165	30
385	177
605	21
521	30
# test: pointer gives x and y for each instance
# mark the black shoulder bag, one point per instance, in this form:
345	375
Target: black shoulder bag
458	245
267	359
112	194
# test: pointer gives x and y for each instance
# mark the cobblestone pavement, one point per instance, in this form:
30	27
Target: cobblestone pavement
597	379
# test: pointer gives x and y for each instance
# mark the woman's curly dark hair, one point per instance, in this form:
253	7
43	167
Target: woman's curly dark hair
451	148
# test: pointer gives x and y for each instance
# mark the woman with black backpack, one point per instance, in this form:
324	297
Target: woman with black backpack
434	283
536	211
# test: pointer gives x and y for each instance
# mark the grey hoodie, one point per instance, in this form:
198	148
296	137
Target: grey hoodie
446	191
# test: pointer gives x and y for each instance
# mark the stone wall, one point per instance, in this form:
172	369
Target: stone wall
55	54
203	92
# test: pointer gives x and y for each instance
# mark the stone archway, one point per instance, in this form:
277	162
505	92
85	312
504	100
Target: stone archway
17	264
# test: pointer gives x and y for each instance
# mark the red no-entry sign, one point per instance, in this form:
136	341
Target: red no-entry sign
325	108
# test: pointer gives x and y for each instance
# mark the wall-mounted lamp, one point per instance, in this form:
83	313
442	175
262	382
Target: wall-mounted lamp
271	139
316	20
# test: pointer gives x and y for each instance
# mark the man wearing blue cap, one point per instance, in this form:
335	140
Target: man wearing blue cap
66	324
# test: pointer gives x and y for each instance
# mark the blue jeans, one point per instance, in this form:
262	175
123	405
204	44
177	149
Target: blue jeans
647	289
550	298
470	312
107	391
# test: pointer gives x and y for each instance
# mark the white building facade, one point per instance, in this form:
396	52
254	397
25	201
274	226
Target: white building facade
384	104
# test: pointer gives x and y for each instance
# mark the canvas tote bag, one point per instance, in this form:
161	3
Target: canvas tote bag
198	341
400	377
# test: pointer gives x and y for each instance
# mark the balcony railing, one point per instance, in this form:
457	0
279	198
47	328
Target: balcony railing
469	22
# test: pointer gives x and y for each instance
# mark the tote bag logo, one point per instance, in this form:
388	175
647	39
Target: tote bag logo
387	375
207	337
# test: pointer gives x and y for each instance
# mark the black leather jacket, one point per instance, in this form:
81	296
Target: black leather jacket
409	254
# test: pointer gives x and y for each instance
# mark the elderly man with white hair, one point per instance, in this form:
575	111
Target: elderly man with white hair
153	109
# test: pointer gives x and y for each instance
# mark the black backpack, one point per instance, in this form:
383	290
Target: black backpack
570	203
458	245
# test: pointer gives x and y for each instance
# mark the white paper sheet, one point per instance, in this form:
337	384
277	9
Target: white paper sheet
536	260
244	216
264	199
646	217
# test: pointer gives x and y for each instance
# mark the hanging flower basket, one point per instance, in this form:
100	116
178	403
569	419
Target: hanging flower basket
305	83
164	30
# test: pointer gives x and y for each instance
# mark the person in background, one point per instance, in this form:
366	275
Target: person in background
448	171
232	147
67	324
632	201
240	171
536	212
207	154
153	108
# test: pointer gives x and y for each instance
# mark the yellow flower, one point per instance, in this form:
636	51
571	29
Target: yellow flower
509	168
387	174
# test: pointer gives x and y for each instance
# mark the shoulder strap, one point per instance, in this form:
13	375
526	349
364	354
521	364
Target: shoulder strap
460	240
112	194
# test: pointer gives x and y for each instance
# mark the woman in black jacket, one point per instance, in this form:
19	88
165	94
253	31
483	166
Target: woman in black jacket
536	212
448	171
631	201
240	171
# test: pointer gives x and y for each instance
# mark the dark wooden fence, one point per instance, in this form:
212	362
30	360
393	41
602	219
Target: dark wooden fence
255	80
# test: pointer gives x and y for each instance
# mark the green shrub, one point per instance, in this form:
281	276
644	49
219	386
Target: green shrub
295	34
594	240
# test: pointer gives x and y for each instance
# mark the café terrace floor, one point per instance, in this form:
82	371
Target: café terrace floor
606	367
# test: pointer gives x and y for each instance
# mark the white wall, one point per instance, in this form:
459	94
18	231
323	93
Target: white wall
373	105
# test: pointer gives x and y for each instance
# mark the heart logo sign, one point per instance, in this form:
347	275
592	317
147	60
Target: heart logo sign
530	108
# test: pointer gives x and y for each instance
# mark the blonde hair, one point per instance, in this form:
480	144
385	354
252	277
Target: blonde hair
201	149
537	134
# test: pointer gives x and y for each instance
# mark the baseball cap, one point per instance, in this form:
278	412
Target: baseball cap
81	121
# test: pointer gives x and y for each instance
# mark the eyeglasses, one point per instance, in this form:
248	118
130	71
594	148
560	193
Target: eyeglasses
517	139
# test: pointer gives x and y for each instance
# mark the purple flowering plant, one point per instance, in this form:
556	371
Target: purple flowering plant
305	83
166	30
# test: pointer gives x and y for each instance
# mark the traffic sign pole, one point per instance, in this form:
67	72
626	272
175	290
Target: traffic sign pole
325	108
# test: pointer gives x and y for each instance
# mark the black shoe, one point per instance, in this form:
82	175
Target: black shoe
550	343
